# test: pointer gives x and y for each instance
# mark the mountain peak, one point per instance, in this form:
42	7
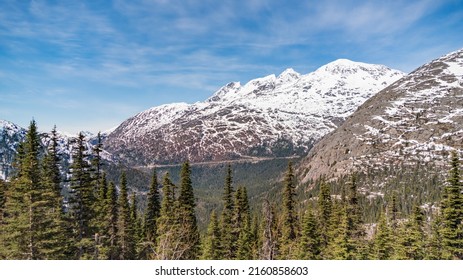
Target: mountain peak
288	75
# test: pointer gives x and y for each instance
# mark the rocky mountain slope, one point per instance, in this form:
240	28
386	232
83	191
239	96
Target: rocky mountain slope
417	119
274	116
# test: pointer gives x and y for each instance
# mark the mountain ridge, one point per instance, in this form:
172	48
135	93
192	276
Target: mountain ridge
267	116
417	119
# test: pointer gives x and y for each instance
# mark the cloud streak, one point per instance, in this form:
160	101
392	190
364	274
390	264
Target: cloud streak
147	52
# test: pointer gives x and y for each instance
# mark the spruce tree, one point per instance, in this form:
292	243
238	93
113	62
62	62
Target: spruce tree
288	245
452	212
212	244
82	200
168	246
324	213
269	233
226	223
137	226
411	238
189	235
30	219
111	209
382	243
152	213
56	229
2	199
309	245
242	222
125	233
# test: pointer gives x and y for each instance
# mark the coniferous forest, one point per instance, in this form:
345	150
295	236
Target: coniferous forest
95	218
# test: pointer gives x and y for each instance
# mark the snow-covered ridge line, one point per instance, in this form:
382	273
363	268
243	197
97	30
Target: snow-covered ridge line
238	120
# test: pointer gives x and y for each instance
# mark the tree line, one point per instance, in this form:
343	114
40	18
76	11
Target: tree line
98	219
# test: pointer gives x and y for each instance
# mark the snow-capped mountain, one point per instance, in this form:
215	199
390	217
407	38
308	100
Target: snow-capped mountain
418	119
10	137
272	116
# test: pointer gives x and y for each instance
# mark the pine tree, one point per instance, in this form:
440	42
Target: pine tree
411	238
152	213
383	244
309	245
2	199
29	217
56	230
269	238
189	235
82	200
125	233
242	222
355	232
452	212
339	247
168	243
228	237
212	244
324	213
288	245
137	227
111	227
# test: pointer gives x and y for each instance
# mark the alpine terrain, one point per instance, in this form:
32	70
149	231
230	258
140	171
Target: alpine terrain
418	119
274	116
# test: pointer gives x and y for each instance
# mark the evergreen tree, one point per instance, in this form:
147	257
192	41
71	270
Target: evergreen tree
324	213
30	219
2	199
137	227
212	244
125	233
187	218
355	232
168	227
152	213
288	239
82	200
269	239
383	244
411	243
56	230
111	209
19	231
242	222
452	212
228	236
309	245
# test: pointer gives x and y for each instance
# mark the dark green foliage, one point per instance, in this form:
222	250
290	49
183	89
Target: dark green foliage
289	214
226	222
125	225
382	243
153	210
324	212
82	200
111	210
212	246
309	245
411	238
452	212
189	236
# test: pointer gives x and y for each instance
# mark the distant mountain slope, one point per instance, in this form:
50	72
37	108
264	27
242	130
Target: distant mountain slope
417	119
274	116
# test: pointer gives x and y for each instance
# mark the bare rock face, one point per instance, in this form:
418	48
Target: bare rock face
417	119
274	116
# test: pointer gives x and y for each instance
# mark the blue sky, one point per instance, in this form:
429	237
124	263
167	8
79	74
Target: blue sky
89	65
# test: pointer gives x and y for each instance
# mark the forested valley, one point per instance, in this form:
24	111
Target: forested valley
95	218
